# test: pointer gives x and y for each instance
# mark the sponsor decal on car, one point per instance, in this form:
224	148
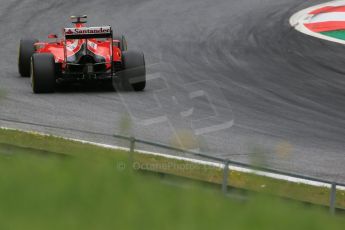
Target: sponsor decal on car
92	45
72	46
88	30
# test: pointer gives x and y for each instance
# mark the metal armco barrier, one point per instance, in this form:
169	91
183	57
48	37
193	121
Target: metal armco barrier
333	185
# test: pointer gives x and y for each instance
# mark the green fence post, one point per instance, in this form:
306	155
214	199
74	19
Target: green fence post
225	177
333	198
131	149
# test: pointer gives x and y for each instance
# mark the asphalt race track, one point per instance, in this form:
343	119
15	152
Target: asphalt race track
231	71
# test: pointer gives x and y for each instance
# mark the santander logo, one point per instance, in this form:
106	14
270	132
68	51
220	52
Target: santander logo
88	30
68	32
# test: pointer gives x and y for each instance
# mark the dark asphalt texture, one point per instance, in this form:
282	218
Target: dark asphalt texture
233	72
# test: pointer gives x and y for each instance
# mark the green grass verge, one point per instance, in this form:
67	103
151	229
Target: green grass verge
19	142
91	193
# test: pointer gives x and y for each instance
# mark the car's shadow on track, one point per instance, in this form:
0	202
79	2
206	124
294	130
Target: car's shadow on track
84	88
94	87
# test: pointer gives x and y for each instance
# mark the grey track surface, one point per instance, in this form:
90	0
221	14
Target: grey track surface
231	62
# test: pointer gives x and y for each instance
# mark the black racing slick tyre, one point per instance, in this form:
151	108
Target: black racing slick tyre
123	42
26	50
42	75
133	75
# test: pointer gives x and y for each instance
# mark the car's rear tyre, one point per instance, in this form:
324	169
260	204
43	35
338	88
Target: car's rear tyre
42	75
123	42
133	76
26	50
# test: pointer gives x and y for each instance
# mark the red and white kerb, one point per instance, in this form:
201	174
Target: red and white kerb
329	18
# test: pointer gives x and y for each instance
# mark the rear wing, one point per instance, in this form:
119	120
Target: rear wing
88	32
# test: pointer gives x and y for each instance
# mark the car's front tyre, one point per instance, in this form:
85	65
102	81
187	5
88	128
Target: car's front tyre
42	75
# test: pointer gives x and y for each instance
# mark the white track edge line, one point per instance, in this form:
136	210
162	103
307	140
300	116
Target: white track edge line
201	162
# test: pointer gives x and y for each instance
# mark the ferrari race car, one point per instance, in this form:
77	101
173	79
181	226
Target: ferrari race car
83	54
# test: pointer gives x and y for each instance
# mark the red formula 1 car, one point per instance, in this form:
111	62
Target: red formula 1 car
83	54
